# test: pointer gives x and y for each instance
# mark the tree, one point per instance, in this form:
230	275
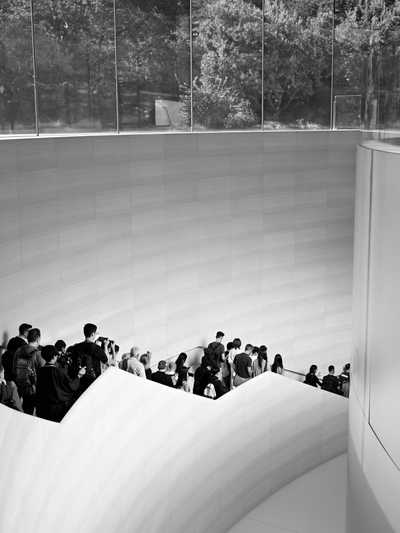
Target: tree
297	57
368	48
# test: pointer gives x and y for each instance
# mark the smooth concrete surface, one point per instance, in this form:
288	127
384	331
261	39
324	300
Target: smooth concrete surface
163	239
133	455
374	445
313	503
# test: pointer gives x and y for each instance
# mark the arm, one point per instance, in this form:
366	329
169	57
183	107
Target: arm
15	401
67	384
100	354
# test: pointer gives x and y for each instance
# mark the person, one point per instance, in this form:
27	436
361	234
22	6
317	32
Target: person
56	391
89	355
8	392
242	366
260	362
215	350
145	360
161	377
344	380
182	372
133	365
12	346
171	371
63	359
123	364
312	378
330	382
114	351
219	387
226	367
27	361
277	365
202	376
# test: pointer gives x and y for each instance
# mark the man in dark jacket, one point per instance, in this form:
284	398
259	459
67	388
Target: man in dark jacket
330	382
87	354
161	377
215	350
8	392
56	391
206	375
13	345
27	361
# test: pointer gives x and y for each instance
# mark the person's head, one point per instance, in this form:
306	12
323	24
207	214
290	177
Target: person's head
60	347
229	346
171	367
144	359
263	353
116	349
248	349
220	336
180	361
313	369
331	369
278	361
24	329
237	343
134	352
255	350
49	353
89	330
346	367
162	366
33	337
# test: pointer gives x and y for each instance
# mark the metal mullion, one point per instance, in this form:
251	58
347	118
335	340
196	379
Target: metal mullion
116	66
34	71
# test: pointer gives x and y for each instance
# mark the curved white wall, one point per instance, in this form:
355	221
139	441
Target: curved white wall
313	503
133	455
162	239
374	447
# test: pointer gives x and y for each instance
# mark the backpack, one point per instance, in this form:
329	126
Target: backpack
6	395
7	360
25	376
81	359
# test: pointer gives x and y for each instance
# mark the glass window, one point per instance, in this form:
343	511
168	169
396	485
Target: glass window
153	59
367	37
74	43
297	63
350	63
227	64
17	110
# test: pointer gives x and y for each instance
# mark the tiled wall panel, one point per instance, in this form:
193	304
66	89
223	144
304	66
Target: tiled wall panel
163	239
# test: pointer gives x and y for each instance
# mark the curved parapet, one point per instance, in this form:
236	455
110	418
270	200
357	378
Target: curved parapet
374	437
132	455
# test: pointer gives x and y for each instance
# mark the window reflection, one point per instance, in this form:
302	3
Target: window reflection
74	43
17	113
153	59
227	64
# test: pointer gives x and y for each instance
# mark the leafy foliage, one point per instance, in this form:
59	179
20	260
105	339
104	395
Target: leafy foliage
75	52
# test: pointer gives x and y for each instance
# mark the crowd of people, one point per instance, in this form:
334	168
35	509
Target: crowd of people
47	380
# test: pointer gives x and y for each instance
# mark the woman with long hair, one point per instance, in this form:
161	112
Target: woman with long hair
226	367
182	372
277	365
145	359
312	378
260	363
